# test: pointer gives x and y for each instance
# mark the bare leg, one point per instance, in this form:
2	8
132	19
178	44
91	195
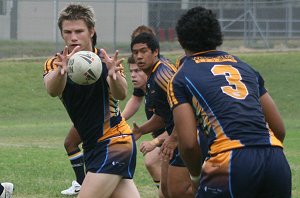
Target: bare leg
126	189
179	182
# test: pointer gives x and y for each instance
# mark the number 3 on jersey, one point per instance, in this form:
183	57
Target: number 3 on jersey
237	88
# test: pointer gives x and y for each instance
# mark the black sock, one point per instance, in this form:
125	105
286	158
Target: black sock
156	183
1	189
76	159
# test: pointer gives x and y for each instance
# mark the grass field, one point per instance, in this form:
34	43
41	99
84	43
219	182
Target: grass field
33	125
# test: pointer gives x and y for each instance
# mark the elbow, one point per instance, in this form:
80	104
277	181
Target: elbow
53	92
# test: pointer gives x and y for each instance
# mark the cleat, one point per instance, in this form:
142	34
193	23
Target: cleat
8	190
73	190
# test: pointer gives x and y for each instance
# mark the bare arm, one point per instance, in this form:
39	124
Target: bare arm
154	123
272	116
55	82
132	106
185	125
117	83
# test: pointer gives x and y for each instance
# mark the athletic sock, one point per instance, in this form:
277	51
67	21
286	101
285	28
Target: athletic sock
77	162
156	183
1	189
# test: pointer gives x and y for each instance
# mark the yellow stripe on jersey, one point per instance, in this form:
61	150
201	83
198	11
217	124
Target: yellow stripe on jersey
49	65
171	97
155	66
163	78
222	142
120	129
113	106
274	140
217	59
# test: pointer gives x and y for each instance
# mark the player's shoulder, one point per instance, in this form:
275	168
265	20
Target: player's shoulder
49	64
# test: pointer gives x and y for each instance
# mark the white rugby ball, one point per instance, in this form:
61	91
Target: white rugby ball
84	67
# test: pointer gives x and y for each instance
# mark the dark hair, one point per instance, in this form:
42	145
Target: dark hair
149	39
199	30
130	60
94	39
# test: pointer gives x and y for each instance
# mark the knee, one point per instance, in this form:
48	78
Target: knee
149	163
70	145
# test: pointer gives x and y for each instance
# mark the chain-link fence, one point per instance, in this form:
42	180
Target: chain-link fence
245	23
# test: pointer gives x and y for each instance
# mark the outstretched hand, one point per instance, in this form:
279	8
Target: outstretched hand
113	64
63	59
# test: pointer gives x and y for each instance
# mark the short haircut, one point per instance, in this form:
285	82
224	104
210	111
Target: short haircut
199	30
78	12
130	60
140	29
149	39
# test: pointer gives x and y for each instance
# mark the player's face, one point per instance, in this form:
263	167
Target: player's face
138	77
144	57
76	33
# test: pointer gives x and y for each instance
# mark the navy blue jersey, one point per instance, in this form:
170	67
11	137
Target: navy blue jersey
156	92
92	108
224	92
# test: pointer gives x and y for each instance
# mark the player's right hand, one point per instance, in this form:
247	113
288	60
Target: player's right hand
62	59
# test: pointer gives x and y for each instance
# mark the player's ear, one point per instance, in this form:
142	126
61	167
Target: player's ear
92	32
156	51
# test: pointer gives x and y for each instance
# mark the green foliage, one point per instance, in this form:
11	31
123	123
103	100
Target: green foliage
33	125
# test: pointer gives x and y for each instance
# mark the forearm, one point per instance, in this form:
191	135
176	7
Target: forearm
191	156
272	116
154	123
118	87
186	130
55	82
132	106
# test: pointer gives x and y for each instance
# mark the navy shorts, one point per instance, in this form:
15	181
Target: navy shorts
260	172
115	155
176	159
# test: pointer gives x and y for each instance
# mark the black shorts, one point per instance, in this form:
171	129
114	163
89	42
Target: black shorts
115	155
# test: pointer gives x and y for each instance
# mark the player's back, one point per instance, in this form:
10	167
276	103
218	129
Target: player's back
225	94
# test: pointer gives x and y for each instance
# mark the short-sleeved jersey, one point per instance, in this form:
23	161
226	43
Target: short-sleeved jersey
156	92
224	93
138	92
92	108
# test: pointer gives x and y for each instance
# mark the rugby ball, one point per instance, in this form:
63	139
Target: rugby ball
84	67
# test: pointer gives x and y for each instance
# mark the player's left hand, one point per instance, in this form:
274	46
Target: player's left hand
113	64
136	131
168	147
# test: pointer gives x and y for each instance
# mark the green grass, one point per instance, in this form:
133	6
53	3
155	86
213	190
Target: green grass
33	125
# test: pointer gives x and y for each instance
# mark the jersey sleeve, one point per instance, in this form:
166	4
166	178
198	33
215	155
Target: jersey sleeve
261	84
138	92
176	91
49	65
162	78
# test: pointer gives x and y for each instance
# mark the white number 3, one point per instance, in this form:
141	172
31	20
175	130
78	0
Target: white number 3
237	88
